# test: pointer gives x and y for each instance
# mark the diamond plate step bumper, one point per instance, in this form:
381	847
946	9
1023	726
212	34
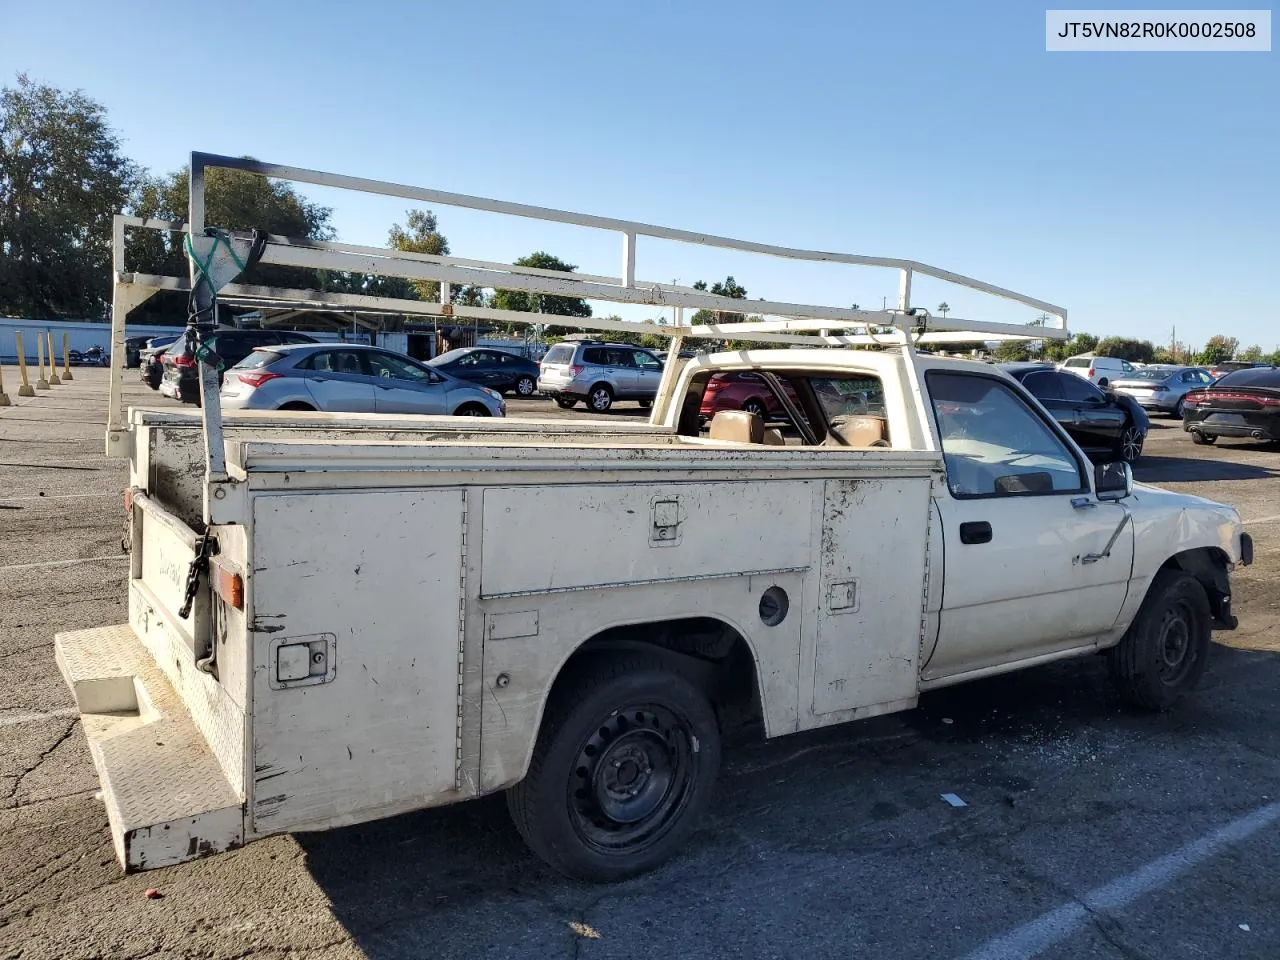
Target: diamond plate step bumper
167	798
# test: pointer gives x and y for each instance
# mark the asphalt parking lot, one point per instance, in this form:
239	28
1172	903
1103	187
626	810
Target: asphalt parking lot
1089	829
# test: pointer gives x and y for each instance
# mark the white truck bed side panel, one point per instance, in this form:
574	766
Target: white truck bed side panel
871	602
373	583
564	537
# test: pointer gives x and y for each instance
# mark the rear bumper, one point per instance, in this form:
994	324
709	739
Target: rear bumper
167	798
1252	431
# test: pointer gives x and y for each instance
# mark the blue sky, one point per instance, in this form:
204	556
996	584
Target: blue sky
1140	191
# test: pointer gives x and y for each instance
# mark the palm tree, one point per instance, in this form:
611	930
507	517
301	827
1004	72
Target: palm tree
944	308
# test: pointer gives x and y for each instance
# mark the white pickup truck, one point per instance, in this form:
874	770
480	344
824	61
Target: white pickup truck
335	618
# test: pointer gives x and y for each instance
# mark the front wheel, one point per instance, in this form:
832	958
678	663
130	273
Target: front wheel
471	410
624	766
1129	446
526	386
1202	439
565	403
1164	651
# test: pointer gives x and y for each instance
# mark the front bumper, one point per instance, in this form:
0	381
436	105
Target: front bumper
167	798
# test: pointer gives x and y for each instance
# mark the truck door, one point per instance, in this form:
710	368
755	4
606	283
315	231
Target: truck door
1019	526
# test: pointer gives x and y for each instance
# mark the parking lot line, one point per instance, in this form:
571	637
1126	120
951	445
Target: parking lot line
13	720
63	563
1052	928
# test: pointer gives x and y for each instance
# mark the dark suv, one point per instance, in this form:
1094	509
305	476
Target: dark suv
599	373
180	379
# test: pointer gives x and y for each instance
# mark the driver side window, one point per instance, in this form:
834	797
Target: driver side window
389	366
994	444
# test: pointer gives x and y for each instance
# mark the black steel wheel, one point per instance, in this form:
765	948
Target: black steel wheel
624	767
1164	652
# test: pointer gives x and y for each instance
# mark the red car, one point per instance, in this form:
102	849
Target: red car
742	390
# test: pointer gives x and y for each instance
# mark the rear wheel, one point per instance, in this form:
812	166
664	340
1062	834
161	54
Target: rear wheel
1129	446
471	410
600	399
1180	408
565	403
1203	439
755	406
1164	652
624	766
526	386
645	404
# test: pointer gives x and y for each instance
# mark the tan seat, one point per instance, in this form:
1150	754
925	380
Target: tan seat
858	430
737	426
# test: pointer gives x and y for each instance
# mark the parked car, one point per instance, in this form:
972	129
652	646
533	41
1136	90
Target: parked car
150	368
1230	366
599	373
180	380
1162	387
351	378
133	349
496	369
1099	370
1244	403
743	390
1107	426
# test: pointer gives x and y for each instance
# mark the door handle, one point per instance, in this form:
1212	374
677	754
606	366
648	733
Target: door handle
975	531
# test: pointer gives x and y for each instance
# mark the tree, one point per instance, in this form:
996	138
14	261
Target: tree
730	288
523	302
1252	354
421	235
62	179
234	200
1140	351
1059	350
1012	351
944	308
1218	348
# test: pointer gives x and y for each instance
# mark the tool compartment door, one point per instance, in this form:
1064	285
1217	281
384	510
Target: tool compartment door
356	633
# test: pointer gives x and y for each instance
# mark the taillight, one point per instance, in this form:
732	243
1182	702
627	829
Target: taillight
577	369
1091	373
182	360
256	379
227	584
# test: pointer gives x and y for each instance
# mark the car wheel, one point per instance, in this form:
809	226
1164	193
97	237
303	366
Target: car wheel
471	410
645	404
624	766
600	399
1163	653
754	406
1129	446
297	405
526	386
565	403
1180	408
1203	439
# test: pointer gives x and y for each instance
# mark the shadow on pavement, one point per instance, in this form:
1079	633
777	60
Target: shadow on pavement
1195	470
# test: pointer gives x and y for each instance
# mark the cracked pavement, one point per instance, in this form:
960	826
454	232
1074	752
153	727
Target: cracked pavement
830	844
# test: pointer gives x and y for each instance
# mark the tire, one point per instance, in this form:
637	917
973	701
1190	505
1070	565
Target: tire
471	410
1202	439
526	387
1164	652
1129	447
645	404
565	403
754	406
1180	408
624	713
153	381
297	405
600	398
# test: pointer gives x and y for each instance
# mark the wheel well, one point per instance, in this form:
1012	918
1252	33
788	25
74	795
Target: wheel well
470	405
1209	566
296	405
708	651
601	383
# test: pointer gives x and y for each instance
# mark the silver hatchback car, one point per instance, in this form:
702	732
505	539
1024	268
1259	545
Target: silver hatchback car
1162	387
351	378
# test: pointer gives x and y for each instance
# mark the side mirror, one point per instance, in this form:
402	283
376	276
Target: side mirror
1112	481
